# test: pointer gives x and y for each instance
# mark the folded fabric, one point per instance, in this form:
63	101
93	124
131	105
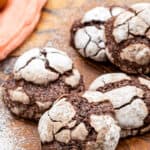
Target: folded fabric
17	22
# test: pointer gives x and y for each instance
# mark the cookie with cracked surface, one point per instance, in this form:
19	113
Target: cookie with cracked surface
88	35
130	97
39	77
75	123
128	39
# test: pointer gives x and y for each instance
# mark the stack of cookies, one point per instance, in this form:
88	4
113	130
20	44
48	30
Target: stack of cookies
45	86
40	76
119	34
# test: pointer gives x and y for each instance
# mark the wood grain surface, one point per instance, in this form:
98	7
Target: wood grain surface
56	20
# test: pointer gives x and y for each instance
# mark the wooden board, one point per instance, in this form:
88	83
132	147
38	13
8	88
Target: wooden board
54	26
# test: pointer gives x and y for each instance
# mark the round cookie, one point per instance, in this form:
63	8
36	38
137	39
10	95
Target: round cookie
128	39
74	122
88	35
130	97
39	77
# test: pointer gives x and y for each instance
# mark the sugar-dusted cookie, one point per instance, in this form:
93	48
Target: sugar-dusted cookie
39	77
88	35
128	39
130	97
74	122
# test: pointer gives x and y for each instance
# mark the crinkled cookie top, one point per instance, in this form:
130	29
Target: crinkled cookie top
89	34
41	66
128	36
130	24
101	14
129	97
91	126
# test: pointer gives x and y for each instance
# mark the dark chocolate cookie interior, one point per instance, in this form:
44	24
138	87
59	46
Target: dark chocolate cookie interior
38	93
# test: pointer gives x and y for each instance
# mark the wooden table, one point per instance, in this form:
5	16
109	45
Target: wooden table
54	26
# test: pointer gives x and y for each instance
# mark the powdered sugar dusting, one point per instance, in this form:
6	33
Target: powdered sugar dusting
14	133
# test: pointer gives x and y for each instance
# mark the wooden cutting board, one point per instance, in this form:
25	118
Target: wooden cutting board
54	26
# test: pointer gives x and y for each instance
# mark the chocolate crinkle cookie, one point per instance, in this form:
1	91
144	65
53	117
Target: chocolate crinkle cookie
128	39
76	122
40	76
130	97
88	34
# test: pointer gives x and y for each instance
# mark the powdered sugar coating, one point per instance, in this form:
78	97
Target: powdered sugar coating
16	134
80	132
90	39
62	111
42	66
138	53
94	96
108	131
123	95
137	110
58	60
127	96
40	76
57	117
61	124
128	37
140	6
129	24
106	79
73	80
97	14
19	95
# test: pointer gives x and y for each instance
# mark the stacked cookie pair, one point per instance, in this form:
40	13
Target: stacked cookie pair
120	34
46	86
40	76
